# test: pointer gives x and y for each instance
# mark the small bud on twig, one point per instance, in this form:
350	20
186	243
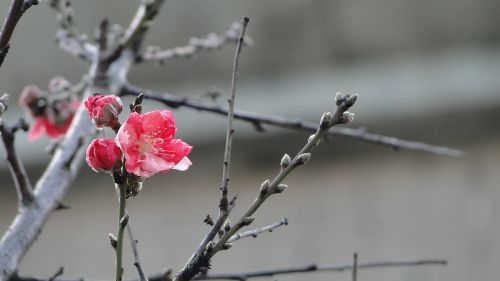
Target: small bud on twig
303	158
227	246
264	187
285	161
226	226
325	120
247	221
112	240
281	187
124	220
347	117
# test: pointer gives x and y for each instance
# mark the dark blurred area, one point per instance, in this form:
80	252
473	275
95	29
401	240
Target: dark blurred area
424	70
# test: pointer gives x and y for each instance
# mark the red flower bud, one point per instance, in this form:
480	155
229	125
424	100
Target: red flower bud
103	155
104	110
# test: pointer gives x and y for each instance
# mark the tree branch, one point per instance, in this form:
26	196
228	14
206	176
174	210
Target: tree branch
68	38
254	232
140	24
16	10
258	119
137	260
199	260
242	276
21	180
208	43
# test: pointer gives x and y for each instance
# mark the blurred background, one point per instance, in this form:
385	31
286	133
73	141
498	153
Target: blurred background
424	70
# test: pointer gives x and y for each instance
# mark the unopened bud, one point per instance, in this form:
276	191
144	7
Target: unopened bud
281	187
325	120
347	117
112	240
264	187
303	158
247	221
104	110
124	220
285	161
227	246
210	246
226	226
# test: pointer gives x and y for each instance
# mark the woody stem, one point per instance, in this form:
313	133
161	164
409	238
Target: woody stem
122	223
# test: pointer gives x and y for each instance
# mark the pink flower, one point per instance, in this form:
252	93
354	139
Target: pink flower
148	143
102	154
43	125
104	110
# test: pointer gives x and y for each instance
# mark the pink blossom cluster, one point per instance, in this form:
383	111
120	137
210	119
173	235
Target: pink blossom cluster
52	114
145	142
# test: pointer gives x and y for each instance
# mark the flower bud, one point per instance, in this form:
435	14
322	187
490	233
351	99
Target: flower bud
112	240
247	221
347	117
104	110
325	120
103	154
303	158
285	161
264	187
281	187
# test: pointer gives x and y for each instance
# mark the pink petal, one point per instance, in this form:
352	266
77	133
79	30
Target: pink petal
37	129
183	164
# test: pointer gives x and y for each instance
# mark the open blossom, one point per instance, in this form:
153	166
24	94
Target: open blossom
147	141
103	155
104	110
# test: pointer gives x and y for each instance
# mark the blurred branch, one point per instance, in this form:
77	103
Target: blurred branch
258	120
21	180
254	232
242	276
16	10
210	42
68	38
140	24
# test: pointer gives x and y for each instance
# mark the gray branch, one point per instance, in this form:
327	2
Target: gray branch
21	180
208	43
311	268
255	232
259	119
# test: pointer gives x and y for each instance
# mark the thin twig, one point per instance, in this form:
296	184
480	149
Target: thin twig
313	268
21	179
230	116
208	43
242	276
257	231
355	267
259	119
58	273
137	260
200	259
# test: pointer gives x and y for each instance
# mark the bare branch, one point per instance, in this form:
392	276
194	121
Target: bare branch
208	43
140	24
230	117
137	260
355	267
68	38
257	231
200	259
295	124
21	180
58	273
242	276
16	10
